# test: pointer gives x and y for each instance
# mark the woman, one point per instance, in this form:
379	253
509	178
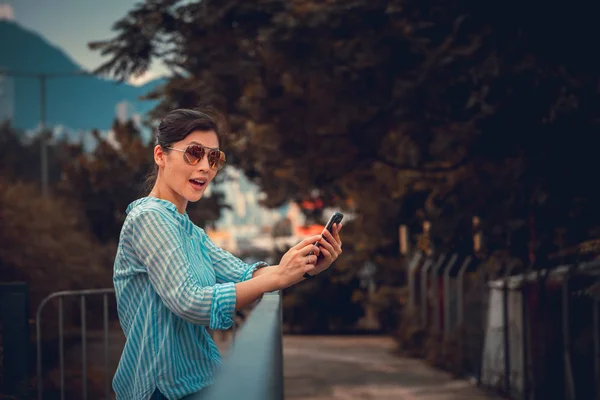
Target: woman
172	282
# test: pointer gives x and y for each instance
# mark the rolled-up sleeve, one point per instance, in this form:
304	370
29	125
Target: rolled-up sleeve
159	244
228	267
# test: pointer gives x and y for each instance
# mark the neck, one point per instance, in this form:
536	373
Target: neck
165	193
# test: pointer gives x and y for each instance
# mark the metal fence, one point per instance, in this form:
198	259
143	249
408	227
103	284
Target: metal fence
527	334
83	295
254	364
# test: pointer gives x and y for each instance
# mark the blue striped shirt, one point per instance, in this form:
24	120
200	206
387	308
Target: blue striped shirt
171	282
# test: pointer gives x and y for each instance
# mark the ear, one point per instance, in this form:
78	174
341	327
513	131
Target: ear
159	156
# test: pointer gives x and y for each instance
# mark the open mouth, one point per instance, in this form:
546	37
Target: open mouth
197	183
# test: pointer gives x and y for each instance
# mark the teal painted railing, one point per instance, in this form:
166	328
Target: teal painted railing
253	367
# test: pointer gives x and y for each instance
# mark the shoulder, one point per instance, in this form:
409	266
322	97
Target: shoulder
149	213
150	210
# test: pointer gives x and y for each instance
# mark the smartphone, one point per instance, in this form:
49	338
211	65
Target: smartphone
335	218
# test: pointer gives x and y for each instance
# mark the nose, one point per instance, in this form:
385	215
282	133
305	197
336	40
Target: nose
203	164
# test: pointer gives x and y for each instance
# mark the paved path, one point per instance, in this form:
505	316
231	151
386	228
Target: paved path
353	368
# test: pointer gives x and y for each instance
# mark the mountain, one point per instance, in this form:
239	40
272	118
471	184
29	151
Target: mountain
77	103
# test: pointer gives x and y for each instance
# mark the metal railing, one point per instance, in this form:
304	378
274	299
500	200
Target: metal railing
515	332
254	362
253	368
61	295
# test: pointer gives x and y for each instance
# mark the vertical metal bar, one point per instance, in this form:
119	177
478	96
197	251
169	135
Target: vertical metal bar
43	144
435	306
61	352
410	277
596	319
506	336
38	339
484	279
447	319
569	390
83	350
525	340
424	303
106	348
412	300
460	292
447	323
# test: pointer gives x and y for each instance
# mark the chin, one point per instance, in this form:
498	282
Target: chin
194	197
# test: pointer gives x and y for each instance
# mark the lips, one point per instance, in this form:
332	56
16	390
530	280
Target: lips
198	184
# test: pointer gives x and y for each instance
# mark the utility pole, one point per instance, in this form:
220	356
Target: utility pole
43	77
43	137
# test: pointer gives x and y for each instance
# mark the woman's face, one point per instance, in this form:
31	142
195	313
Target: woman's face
188	182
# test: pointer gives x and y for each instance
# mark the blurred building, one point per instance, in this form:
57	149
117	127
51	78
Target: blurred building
248	226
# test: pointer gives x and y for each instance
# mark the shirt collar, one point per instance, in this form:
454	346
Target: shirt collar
166	203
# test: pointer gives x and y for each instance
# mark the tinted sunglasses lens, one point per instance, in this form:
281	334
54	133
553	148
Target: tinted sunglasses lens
193	154
216	159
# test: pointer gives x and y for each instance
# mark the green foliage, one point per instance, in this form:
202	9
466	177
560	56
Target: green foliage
20	156
397	110
45	244
454	109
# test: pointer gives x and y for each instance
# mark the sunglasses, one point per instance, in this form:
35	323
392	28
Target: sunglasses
194	153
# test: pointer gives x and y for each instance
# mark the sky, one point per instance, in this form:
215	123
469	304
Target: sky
72	24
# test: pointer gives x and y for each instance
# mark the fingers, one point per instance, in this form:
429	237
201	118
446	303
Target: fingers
330	242
311	259
309	249
336	233
307	241
327	254
325	244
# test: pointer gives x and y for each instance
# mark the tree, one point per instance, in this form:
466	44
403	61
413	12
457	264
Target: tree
403	110
20	156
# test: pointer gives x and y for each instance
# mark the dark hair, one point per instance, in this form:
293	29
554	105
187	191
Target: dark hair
179	123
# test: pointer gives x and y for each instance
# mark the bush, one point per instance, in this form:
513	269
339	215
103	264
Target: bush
45	244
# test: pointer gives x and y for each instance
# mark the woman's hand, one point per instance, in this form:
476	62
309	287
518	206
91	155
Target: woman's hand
298	260
331	248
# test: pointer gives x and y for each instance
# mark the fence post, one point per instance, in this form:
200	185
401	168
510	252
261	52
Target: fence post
460	292
424	303
569	387
484	279
14	317
435	306
525	338
505	328
447	296
412	300
596	319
